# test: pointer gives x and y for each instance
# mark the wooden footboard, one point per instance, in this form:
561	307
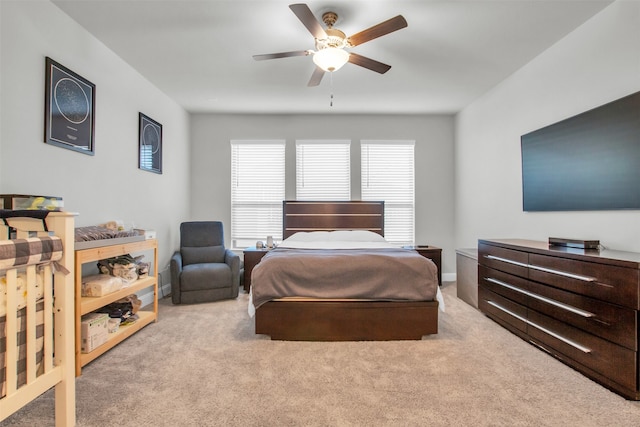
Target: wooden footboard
347	320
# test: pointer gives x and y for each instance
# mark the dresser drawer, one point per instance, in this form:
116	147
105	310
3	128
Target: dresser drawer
613	361
499	308
503	284
611	322
614	284
507	260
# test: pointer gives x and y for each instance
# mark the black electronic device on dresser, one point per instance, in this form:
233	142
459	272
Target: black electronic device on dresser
580	306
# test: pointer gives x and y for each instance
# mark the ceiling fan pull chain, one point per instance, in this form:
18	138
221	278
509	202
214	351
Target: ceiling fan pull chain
331	85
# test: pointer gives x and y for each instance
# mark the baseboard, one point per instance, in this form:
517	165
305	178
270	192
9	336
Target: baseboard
164	291
164	288
449	277
147	298
164	283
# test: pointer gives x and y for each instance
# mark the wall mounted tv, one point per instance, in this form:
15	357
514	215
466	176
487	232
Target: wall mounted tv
588	162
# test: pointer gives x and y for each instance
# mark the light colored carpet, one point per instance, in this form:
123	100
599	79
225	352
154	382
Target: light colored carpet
202	365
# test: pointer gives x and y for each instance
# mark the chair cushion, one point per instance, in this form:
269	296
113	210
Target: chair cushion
197	277
204	254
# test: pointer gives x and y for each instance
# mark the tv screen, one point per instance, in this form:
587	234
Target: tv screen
587	162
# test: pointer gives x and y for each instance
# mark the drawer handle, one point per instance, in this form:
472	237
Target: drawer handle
546	270
508	261
553	302
543	329
563	273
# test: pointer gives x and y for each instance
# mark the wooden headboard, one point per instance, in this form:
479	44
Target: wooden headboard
329	216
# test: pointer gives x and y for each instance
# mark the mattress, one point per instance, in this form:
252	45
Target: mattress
342	265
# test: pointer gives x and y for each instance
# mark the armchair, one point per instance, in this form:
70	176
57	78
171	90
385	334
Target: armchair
203	269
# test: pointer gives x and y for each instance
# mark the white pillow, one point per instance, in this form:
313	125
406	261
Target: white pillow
335	236
355	236
308	236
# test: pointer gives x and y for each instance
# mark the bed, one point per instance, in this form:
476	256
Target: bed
37	336
345	311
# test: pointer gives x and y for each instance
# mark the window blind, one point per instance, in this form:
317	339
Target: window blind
257	191
323	170
388	173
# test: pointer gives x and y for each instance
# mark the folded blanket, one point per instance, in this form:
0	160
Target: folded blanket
33	250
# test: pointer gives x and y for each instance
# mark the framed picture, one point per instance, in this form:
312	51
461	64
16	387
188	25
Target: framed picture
69	109
149	145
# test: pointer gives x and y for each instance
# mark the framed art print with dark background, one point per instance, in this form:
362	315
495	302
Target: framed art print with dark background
150	145
69	109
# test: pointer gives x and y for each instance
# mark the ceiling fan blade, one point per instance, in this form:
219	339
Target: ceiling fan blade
280	55
383	28
305	16
369	63
316	77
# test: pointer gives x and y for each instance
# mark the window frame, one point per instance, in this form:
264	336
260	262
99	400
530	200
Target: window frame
399	211
312	177
263	215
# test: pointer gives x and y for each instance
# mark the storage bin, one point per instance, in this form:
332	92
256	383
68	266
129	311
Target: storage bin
94	330
24	201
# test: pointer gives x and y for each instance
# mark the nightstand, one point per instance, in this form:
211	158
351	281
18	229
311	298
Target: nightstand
431	252
252	257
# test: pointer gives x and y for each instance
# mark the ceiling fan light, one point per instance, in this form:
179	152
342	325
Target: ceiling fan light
331	58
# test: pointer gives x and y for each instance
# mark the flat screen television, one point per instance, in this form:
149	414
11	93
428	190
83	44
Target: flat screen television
588	162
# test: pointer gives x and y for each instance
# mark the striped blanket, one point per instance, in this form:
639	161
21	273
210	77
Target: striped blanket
33	250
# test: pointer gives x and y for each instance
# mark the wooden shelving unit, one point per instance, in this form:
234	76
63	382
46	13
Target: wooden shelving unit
86	305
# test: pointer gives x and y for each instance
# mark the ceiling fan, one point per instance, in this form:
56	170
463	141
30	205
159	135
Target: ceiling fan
330	43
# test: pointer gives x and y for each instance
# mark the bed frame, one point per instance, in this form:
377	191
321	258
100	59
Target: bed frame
58	332
342	320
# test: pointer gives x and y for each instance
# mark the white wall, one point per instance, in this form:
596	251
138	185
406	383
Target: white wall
108	185
211	172
597	63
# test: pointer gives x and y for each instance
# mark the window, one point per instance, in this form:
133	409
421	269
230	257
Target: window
257	191
323	170
388	174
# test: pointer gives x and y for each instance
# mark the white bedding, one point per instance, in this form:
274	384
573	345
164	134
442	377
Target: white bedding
340	239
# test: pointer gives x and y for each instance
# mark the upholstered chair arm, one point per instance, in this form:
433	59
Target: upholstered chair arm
233	261
175	265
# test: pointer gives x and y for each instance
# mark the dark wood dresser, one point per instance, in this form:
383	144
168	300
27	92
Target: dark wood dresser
581	306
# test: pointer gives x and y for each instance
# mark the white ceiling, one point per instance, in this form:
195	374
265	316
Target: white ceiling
200	52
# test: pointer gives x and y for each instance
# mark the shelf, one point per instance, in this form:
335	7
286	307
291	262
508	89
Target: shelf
89	304
120	335
84	305
104	252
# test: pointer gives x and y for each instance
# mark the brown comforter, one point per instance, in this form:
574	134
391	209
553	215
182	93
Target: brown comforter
380	274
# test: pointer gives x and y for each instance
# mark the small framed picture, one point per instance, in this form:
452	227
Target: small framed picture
149	145
69	109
